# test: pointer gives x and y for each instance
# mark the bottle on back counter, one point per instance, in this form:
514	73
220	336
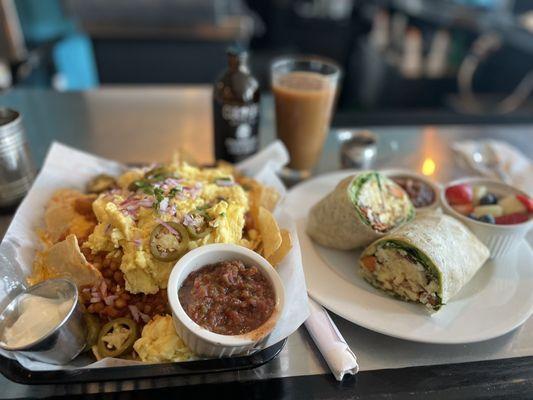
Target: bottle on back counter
236	109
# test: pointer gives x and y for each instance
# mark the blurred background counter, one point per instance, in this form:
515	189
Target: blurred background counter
422	59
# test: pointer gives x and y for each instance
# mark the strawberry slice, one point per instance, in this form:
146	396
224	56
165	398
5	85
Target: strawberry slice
510	219
464	209
459	194
527	201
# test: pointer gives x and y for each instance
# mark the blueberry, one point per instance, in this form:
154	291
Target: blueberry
472	216
489	219
489	198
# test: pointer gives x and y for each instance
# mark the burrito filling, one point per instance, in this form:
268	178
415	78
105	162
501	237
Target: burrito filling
403	271
380	202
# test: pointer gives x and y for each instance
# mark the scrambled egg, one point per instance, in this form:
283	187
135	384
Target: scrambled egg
160	343
126	217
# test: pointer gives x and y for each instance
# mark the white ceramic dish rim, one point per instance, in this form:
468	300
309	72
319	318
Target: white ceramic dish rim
176	279
489	183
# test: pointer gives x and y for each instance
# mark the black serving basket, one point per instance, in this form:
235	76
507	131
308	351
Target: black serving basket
12	369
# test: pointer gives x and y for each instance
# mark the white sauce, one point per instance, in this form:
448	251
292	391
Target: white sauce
37	316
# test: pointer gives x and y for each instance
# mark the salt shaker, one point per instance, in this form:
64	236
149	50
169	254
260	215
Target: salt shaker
358	148
16	167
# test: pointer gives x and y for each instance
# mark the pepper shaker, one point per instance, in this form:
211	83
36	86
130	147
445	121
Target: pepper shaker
16	167
358	148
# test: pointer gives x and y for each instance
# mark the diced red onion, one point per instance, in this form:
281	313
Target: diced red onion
171	210
163	204
173	182
146	202
169	228
135	313
144	317
109	300
103	288
190	220
138	243
128	201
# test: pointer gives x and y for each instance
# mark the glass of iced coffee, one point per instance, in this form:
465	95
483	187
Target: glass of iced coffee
304	92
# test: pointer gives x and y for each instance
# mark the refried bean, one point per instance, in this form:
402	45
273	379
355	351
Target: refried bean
228	298
421	194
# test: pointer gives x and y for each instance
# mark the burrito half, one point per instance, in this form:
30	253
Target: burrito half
359	210
427	261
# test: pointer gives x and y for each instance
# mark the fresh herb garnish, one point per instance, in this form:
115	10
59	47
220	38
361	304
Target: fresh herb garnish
172	193
159	195
142	185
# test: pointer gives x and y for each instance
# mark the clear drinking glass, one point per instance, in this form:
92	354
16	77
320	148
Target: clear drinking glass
304	90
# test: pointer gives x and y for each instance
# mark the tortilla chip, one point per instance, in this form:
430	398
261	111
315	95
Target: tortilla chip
64	259
62	218
258	195
269	197
254	201
269	230
283	250
226	166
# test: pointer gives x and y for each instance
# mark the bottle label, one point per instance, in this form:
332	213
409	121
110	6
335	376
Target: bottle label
236	115
237	124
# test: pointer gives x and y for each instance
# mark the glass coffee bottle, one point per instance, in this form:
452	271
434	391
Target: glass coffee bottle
236	109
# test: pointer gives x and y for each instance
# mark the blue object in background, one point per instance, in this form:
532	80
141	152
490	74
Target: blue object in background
74	61
72	55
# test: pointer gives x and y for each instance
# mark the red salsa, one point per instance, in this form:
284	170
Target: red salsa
229	297
420	193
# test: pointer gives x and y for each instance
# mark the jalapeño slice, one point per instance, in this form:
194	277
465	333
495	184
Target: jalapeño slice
166	245
117	327
101	183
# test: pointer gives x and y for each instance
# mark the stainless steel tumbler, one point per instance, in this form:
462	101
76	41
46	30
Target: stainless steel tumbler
16	167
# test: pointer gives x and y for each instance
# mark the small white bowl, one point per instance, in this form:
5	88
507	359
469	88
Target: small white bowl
405	173
202	341
500	239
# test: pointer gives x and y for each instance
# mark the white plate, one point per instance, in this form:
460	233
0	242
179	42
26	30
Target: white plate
497	300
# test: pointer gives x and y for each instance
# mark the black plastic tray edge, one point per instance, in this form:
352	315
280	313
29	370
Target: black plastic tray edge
15	372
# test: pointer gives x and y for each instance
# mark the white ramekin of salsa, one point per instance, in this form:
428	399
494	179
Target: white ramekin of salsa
225	300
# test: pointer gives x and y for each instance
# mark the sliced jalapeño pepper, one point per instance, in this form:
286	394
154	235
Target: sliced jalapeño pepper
201	234
117	337
166	245
157	174
92	325
101	183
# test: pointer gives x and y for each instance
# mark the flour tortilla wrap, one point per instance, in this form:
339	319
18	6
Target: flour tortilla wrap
436	246
338	221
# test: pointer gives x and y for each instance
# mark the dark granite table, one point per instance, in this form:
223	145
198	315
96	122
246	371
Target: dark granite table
135	125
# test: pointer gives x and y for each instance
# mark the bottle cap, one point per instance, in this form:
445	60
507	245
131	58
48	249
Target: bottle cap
237	50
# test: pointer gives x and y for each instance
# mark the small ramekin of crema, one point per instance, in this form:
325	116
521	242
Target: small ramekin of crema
44	323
